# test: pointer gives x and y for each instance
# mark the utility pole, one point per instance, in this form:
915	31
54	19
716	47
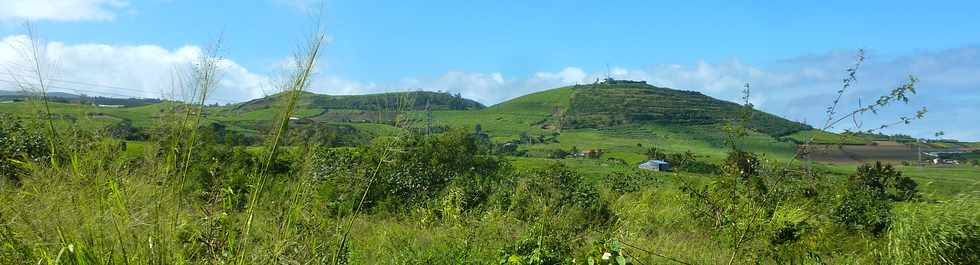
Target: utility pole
918	146
428	117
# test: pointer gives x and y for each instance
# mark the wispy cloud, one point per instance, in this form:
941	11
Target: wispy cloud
60	10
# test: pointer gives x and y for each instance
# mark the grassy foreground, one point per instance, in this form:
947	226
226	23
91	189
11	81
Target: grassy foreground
440	199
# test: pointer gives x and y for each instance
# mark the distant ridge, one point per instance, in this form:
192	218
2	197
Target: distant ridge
81	99
414	100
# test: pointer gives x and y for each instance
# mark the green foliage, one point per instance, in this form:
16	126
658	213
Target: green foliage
541	246
19	145
220	134
326	135
559	154
884	179
743	165
418	100
125	130
416	169
623	182
935	233
863	208
654	153
605	252
867	201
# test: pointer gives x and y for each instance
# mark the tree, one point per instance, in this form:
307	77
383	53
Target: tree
885	180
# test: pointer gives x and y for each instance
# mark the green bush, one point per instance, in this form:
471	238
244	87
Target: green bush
409	171
867	202
885	180
862	208
542	245
19	145
606	252
623	182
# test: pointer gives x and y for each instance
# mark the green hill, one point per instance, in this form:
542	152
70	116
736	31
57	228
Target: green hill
623	118
605	105
415	100
625	103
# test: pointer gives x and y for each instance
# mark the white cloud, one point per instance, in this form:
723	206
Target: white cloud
60	10
334	85
107	70
568	76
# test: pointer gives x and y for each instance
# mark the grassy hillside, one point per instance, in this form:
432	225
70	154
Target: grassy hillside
416	100
622	119
603	105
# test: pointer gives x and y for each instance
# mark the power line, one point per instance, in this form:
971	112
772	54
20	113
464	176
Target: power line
83	83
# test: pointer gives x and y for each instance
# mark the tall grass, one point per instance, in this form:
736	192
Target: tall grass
299	81
937	233
402	103
31	76
202	80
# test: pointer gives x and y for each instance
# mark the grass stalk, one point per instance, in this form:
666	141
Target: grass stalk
292	90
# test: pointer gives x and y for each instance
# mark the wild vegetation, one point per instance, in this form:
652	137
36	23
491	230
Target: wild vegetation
180	182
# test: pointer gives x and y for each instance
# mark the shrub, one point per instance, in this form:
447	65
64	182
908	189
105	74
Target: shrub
885	180
17	144
742	164
654	153
125	130
542	245
862	208
629	181
867	202
559	154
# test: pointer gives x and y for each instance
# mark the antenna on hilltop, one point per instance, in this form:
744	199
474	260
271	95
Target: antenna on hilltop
608	72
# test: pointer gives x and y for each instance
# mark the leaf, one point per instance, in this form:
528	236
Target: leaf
615	245
620	260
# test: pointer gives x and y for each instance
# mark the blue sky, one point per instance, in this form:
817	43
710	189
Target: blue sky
792	53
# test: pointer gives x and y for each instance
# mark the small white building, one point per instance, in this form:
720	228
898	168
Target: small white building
656	165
